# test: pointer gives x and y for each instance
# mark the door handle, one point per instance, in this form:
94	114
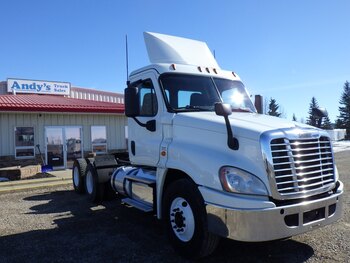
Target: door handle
133	147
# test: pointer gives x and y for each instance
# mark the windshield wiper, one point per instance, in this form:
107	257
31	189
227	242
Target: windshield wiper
195	108
241	109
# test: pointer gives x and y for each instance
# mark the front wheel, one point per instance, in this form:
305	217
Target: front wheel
186	220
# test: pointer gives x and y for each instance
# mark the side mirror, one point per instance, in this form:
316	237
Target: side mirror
223	109
132	104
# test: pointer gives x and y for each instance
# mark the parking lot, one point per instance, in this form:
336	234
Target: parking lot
58	225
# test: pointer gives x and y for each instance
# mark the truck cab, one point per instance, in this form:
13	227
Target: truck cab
204	161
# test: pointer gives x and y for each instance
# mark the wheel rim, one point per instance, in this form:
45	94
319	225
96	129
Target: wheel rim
182	219
89	182
76	176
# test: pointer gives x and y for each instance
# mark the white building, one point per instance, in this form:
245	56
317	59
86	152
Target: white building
66	122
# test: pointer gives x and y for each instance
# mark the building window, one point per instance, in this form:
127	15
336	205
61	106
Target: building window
99	139
24	142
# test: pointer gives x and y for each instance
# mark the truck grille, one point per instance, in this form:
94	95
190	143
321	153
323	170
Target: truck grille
302	166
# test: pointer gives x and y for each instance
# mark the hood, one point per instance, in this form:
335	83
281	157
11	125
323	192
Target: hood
248	125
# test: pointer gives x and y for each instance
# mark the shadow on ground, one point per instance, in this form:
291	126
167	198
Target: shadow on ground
111	232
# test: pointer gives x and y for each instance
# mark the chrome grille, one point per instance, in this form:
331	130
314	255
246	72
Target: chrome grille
302	165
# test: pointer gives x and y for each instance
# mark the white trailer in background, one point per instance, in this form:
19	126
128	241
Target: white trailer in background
202	160
337	134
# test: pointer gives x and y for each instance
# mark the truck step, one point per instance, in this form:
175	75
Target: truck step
141	206
139	179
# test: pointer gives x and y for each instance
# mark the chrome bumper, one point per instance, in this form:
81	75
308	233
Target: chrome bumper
265	224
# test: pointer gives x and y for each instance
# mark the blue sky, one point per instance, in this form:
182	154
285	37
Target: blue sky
288	50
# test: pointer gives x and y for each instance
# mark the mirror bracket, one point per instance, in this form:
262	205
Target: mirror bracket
225	110
149	125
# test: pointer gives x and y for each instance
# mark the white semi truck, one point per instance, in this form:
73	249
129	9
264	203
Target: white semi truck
206	163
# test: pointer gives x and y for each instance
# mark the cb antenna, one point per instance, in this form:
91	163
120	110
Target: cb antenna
127	58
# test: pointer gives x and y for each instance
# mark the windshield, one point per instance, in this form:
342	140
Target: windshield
234	93
200	93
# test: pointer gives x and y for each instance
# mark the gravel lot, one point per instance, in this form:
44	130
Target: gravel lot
57	225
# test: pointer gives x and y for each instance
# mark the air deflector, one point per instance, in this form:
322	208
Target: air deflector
170	49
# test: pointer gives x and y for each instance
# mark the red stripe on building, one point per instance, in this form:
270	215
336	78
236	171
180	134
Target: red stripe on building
50	103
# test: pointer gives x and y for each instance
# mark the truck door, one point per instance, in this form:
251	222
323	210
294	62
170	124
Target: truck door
143	143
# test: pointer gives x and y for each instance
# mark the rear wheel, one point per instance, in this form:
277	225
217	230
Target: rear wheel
186	220
78	172
93	188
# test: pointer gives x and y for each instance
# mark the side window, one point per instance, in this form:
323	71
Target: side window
148	99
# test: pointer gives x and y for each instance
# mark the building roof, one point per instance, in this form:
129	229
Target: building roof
51	103
95	91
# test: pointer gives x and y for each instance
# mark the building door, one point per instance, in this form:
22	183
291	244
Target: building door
63	145
73	145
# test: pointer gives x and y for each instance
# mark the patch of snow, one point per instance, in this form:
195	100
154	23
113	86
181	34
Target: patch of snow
339	146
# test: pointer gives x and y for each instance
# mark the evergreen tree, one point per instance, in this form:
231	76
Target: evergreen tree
273	108
343	121
327	125
339	124
312	120
294	118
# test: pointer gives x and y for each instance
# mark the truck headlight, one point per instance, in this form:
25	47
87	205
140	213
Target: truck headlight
239	181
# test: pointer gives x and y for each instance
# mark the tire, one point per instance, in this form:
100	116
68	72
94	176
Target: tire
93	188
186	220
78	175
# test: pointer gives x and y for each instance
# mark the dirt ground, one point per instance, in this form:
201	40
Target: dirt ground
58	225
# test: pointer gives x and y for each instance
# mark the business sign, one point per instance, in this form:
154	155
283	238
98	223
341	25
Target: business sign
38	87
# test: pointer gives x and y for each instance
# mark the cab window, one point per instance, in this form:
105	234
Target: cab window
148	99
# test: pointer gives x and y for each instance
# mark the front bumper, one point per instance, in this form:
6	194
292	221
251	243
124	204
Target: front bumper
271	223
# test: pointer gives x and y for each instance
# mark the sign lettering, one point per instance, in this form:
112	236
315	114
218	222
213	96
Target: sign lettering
38	87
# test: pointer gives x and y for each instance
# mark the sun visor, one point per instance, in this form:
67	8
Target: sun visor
170	49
